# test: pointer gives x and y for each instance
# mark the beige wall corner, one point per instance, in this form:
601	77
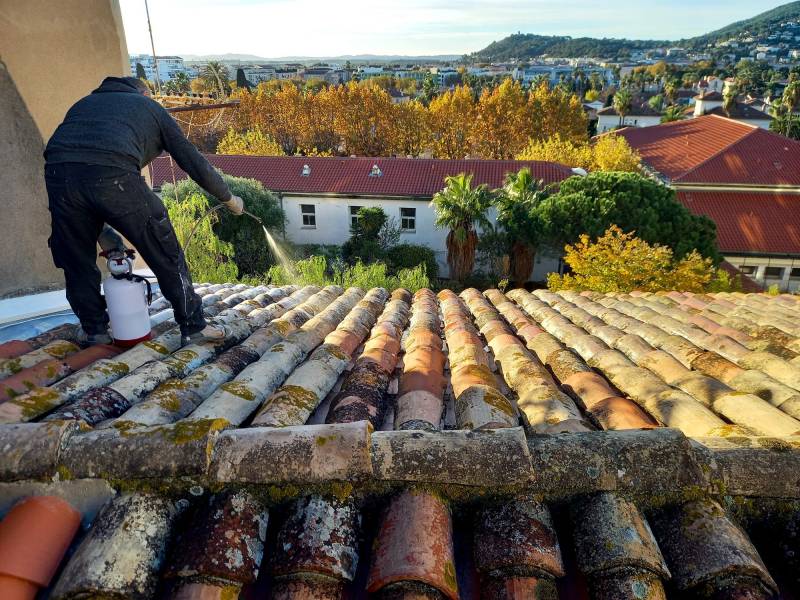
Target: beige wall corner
57	52
51	54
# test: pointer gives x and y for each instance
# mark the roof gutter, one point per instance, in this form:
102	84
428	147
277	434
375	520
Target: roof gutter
761	189
757	254
361	195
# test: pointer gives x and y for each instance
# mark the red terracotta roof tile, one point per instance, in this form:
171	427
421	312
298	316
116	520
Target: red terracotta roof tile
399	176
713	149
759	158
750	222
302	504
676	148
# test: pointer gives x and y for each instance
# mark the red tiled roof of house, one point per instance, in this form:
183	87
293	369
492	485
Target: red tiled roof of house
335	175
714	149
767	223
760	158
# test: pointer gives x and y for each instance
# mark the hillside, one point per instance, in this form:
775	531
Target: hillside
529	45
759	24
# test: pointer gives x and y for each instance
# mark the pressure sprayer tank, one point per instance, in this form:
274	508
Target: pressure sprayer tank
127	299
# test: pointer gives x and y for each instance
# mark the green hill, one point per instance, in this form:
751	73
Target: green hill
529	45
759	24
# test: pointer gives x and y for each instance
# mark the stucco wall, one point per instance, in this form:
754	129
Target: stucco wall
51	54
333	226
609	122
333	222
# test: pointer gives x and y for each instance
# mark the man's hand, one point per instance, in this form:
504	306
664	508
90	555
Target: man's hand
235	205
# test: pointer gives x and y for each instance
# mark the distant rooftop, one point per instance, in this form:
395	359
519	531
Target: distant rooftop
715	149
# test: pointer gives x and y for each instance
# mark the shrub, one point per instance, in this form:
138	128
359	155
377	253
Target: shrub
621	262
371	236
408	256
317	271
251	253
209	258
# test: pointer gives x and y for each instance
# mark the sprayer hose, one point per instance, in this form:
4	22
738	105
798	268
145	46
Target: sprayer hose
208	213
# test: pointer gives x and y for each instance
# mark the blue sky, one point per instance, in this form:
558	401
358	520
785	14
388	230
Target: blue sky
273	28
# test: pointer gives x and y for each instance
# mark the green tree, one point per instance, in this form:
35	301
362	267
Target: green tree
250	251
656	102
673	112
430	89
591	204
460	207
516	204
241	80
208	257
622	104
729	99
180	84
140	72
215	76
365	231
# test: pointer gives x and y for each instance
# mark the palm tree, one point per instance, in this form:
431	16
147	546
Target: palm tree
460	207
516	204
791	96
670	88
622	104
672	113
215	75
729	99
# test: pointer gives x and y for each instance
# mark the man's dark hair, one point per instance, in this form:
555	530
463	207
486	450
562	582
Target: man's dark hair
137	83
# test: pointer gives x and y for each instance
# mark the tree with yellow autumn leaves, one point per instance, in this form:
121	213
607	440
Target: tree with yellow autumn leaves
621	262
359	118
607	153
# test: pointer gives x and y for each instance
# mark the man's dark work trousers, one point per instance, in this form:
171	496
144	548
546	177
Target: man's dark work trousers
82	198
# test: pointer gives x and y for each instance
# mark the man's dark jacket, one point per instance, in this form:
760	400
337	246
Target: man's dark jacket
117	126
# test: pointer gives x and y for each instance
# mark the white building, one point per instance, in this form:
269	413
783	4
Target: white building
321	196
712	104
639	116
168	66
256	75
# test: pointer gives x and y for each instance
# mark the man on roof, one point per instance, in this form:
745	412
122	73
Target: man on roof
93	163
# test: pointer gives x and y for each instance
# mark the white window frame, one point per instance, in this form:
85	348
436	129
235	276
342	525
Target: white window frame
403	218
354	215
311	216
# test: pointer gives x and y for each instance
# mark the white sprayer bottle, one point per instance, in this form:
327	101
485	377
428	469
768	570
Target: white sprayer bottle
127	298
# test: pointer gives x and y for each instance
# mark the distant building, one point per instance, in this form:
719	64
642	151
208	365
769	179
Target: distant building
640	115
712	104
398	97
256	75
168	66
286	73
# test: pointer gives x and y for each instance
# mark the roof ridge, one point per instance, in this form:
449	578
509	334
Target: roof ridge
742	123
